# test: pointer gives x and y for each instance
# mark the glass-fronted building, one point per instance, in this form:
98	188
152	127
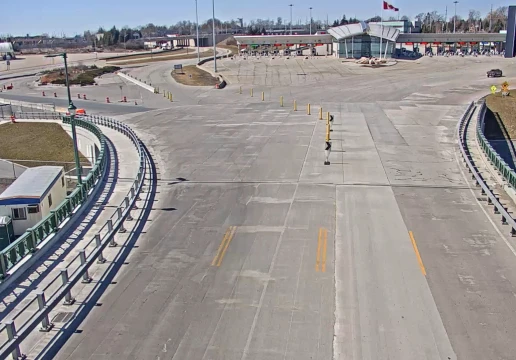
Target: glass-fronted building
364	40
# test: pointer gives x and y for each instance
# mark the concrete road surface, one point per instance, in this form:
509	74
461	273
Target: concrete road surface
256	250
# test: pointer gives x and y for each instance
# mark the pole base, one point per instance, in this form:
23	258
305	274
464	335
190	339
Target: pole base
326	163
47	329
69	302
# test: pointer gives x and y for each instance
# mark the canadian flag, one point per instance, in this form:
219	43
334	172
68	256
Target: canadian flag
387	6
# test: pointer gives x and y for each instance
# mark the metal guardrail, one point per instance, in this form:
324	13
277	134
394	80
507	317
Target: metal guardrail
27	243
20	326
492	199
507	172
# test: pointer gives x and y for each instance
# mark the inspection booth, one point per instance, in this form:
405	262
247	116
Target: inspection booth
32	196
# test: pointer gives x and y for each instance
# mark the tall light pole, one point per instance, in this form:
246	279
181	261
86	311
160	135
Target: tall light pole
214	42
197	31
455	17
310	21
71	109
291	18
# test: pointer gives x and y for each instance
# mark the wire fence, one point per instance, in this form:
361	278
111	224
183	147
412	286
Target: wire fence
25	111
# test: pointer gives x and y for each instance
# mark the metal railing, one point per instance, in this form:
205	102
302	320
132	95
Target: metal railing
492	199
507	172
37	310
27	243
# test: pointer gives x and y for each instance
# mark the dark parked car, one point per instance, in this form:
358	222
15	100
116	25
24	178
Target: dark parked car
494	73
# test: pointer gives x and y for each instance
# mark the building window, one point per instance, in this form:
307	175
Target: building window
19	214
50	200
33	209
62	181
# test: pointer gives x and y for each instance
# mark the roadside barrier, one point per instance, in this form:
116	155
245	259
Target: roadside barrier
18	328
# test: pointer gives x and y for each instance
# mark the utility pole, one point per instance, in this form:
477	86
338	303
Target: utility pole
310	21
214	42
491	18
455	17
291	18
446	19
197	31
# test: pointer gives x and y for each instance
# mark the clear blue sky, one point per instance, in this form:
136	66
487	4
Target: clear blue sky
75	16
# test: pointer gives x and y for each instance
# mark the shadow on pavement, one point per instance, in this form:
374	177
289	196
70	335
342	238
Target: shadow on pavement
99	200
497	135
60	338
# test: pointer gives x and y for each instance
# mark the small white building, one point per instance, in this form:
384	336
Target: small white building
32	196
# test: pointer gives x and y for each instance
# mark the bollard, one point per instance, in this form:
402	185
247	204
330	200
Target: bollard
98	243
46	325
320	114
251	92
164	93
125	99
55	94
84	97
79	96
107	100
85	277
327	149
119	214
11	335
281	101
171	99
112	242
263	96
240	90
308	109
327	118
69	300
43	93
295	105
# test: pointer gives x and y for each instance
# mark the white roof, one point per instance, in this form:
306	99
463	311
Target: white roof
33	183
6	47
4	220
284	39
347	31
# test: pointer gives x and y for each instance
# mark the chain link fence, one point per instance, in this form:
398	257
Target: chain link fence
23	111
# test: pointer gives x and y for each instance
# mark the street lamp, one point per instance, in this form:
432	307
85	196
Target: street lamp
310	21
72	111
197	31
455	17
214	42
291	18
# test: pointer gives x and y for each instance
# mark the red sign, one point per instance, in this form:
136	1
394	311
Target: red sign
302	44
319	44
473	43
243	45
409	43
277	44
289	44
424	43
437	43
462	43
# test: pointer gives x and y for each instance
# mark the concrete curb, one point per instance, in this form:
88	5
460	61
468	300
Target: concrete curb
136	82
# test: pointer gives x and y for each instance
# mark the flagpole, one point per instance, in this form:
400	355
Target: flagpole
381	35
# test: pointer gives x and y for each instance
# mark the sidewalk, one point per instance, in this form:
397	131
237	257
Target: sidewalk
123	163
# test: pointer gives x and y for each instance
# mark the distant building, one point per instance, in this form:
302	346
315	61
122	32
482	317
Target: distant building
32	196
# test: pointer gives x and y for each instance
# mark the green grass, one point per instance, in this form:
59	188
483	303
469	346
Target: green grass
37	144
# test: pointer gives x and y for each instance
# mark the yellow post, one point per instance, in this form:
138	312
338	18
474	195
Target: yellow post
328	118
171	100
327	131
263	96
251	92
308	109
320	113
240	90
295	105
281	101
164	93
